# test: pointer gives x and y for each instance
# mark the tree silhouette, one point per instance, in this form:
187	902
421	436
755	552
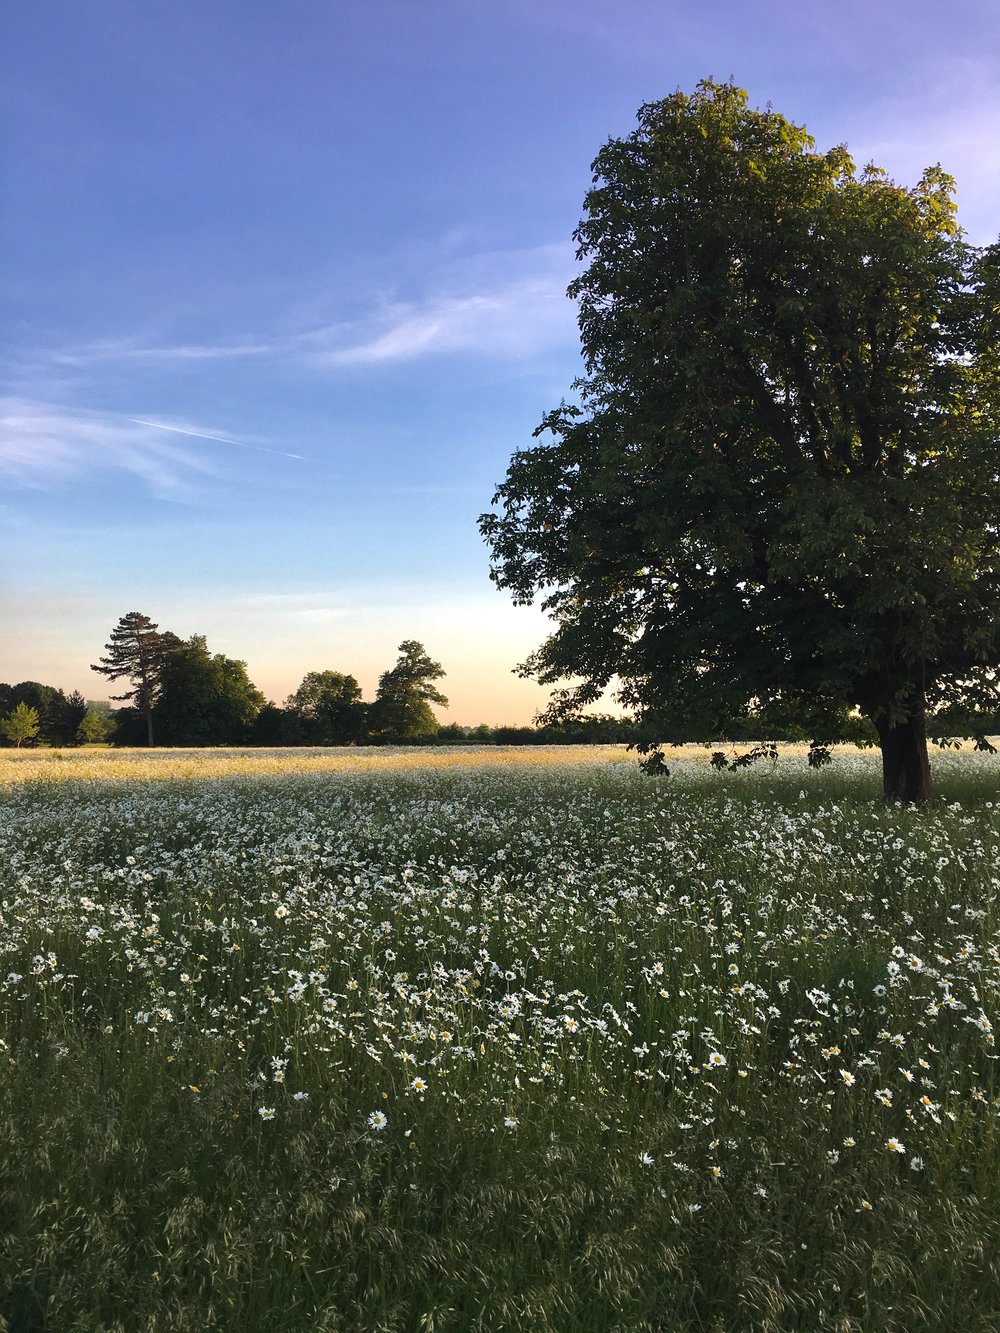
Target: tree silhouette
136	651
779	494
402	704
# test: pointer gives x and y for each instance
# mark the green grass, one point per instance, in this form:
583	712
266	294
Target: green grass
613	988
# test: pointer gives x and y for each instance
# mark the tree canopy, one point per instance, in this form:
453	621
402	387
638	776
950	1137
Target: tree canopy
94	727
401	710
58	715
137	651
329	708
20	725
779	489
204	698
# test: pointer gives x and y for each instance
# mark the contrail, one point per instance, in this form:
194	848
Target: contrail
222	439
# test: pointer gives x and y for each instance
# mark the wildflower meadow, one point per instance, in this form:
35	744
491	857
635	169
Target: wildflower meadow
375	1040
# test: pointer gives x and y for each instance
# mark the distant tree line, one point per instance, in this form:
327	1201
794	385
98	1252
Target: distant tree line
176	692
31	711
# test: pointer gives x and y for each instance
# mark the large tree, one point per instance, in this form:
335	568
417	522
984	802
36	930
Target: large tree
329	708
402	707
204	698
137	651
780	487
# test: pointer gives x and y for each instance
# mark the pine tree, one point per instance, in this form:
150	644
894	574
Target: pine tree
136	651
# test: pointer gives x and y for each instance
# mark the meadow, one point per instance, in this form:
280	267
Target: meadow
374	1040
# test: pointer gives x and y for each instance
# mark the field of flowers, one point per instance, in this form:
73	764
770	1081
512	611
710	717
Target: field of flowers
486	1040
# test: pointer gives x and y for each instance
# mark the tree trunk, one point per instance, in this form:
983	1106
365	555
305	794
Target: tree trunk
906	770
149	727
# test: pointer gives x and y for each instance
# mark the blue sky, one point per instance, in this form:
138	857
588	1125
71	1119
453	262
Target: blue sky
285	288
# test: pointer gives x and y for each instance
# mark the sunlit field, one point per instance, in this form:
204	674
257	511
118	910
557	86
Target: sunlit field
486	1039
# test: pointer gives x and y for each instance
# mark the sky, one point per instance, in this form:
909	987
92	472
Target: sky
285	287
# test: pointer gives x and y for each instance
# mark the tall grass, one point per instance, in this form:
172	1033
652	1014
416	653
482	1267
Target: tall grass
484	1043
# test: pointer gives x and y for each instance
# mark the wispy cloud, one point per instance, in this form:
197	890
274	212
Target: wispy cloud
42	444
517	320
125	349
508	305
